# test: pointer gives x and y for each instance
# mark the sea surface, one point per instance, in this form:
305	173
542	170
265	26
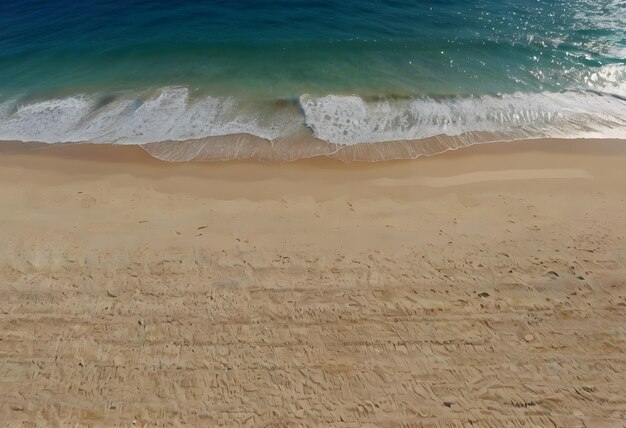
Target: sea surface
285	79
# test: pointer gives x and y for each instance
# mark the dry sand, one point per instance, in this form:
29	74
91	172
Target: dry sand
485	287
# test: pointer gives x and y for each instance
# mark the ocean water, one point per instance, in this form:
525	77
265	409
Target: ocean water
284	79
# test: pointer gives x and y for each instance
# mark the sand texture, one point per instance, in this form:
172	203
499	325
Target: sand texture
485	287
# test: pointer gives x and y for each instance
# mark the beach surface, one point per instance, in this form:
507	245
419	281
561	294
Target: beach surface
482	287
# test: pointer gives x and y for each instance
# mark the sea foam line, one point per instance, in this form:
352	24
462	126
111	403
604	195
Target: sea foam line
170	115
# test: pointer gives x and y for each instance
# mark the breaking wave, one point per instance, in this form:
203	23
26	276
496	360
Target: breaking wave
176	124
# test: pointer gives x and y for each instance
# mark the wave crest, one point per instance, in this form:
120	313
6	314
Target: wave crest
170	114
352	120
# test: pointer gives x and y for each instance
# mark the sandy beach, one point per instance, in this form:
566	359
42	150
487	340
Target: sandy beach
482	287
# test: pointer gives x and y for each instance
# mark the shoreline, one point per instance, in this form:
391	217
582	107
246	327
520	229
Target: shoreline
136	153
173	126
246	148
484	284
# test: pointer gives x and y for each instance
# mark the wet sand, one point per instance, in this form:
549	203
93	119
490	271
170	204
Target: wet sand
482	287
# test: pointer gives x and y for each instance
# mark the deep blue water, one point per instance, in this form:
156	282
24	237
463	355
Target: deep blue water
242	57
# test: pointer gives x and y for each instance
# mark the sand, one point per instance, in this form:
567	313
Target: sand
483	287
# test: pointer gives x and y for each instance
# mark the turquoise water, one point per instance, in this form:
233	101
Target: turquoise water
346	72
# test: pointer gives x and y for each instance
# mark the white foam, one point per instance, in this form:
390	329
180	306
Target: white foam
52	120
610	78
170	115
351	120
6	108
